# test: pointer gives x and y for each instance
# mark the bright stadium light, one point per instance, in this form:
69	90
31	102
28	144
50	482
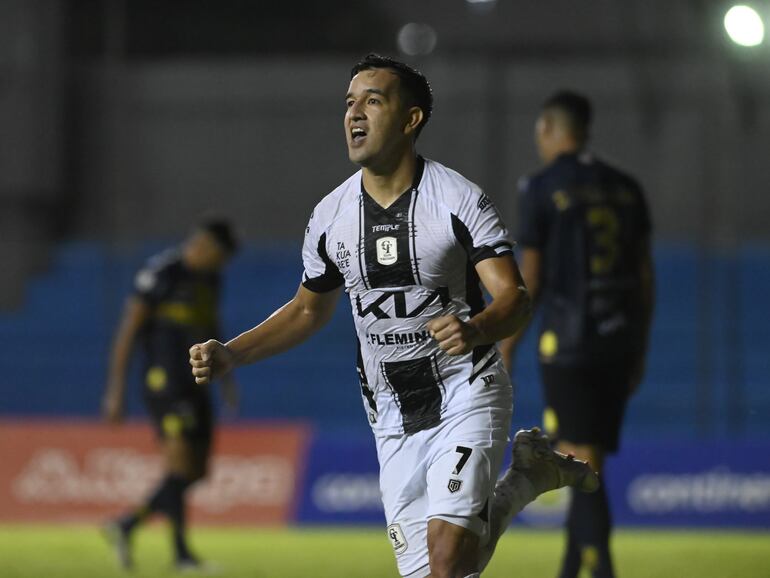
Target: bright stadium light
744	25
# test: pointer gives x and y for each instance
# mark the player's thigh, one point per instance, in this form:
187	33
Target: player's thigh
186	432
461	481
403	465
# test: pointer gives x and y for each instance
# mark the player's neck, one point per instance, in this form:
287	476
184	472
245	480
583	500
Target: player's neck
192	264
568	147
385	184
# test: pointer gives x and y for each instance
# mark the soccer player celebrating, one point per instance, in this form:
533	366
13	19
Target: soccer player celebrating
409	240
174	305
585	233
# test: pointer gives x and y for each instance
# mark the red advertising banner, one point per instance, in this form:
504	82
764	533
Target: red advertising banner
52	471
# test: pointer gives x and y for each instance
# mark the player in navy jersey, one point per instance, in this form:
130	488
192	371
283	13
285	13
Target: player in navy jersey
585	237
410	241
174	305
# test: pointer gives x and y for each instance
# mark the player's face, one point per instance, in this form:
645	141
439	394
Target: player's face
203	252
376	119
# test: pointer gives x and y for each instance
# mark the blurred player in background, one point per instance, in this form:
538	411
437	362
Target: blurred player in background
174	305
585	238
410	240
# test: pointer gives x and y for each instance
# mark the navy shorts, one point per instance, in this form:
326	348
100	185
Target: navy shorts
178	409
586	405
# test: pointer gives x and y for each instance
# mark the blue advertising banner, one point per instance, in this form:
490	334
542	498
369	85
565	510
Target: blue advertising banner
650	484
705	484
341	482
677	485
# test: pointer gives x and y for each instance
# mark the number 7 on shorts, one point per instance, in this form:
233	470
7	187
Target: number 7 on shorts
465	454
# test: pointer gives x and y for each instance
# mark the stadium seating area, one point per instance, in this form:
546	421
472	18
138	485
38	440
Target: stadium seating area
707	376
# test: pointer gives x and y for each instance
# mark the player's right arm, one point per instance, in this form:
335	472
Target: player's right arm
135	315
309	310
289	326
531	267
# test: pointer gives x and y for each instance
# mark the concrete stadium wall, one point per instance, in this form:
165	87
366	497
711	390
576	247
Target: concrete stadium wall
262	140
31	138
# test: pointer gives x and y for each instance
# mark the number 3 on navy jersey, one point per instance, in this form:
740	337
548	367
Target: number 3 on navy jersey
605	225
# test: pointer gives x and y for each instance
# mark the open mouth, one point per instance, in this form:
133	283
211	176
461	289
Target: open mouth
357	134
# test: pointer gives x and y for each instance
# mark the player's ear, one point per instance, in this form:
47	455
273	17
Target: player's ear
546	123
413	120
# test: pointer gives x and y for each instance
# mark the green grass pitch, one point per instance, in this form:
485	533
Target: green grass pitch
79	552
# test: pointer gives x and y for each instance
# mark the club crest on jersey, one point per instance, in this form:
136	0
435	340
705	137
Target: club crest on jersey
387	251
397	539
454	486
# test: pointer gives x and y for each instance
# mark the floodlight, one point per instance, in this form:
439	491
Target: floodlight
744	25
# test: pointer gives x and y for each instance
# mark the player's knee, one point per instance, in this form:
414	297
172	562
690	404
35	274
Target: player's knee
187	470
199	474
194	471
445	563
449	567
450	557
192	476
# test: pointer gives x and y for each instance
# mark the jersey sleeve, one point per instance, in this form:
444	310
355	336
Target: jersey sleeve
533	218
321	274
645	218
479	229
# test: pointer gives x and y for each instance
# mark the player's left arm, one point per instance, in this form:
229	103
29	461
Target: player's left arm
508	312
647	304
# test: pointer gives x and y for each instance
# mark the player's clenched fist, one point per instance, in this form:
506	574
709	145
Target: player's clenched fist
453	335
210	360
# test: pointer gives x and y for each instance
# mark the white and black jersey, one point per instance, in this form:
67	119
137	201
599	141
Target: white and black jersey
402	266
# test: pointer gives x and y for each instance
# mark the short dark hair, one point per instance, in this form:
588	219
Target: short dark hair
222	231
414	85
577	109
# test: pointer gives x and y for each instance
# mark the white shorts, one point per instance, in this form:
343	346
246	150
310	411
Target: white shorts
447	472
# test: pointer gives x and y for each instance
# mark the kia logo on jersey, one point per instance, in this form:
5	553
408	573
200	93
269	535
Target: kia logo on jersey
387	251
